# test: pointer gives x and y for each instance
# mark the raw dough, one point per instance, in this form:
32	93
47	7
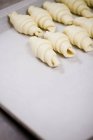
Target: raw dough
78	7
86	24
60	43
25	24
79	37
89	3
59	12
42	18
43	50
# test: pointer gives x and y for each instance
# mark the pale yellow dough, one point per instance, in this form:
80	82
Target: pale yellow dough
42	18
78	7
87	24
79	37
89	3
60	43
59	12
25	24
42	49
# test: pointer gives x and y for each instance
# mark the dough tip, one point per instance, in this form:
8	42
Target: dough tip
87	14
12	14
39	33
89	48
70	52
46	3
51	29
55	62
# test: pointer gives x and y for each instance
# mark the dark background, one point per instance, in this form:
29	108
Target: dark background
6	3
11	130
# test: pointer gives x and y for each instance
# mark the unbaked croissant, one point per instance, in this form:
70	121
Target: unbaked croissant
60	43
78	7
59	12
85	23
79	37
89	3
42	18
25	24
43	50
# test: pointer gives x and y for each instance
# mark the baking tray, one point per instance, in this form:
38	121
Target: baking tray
56	103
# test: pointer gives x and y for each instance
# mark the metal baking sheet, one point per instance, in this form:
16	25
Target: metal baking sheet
56	103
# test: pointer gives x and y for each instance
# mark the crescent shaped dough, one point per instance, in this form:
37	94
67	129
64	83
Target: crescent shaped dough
25	24
42	18
89	3
60	43
79	37
85	23
43	50
78	7
59	12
